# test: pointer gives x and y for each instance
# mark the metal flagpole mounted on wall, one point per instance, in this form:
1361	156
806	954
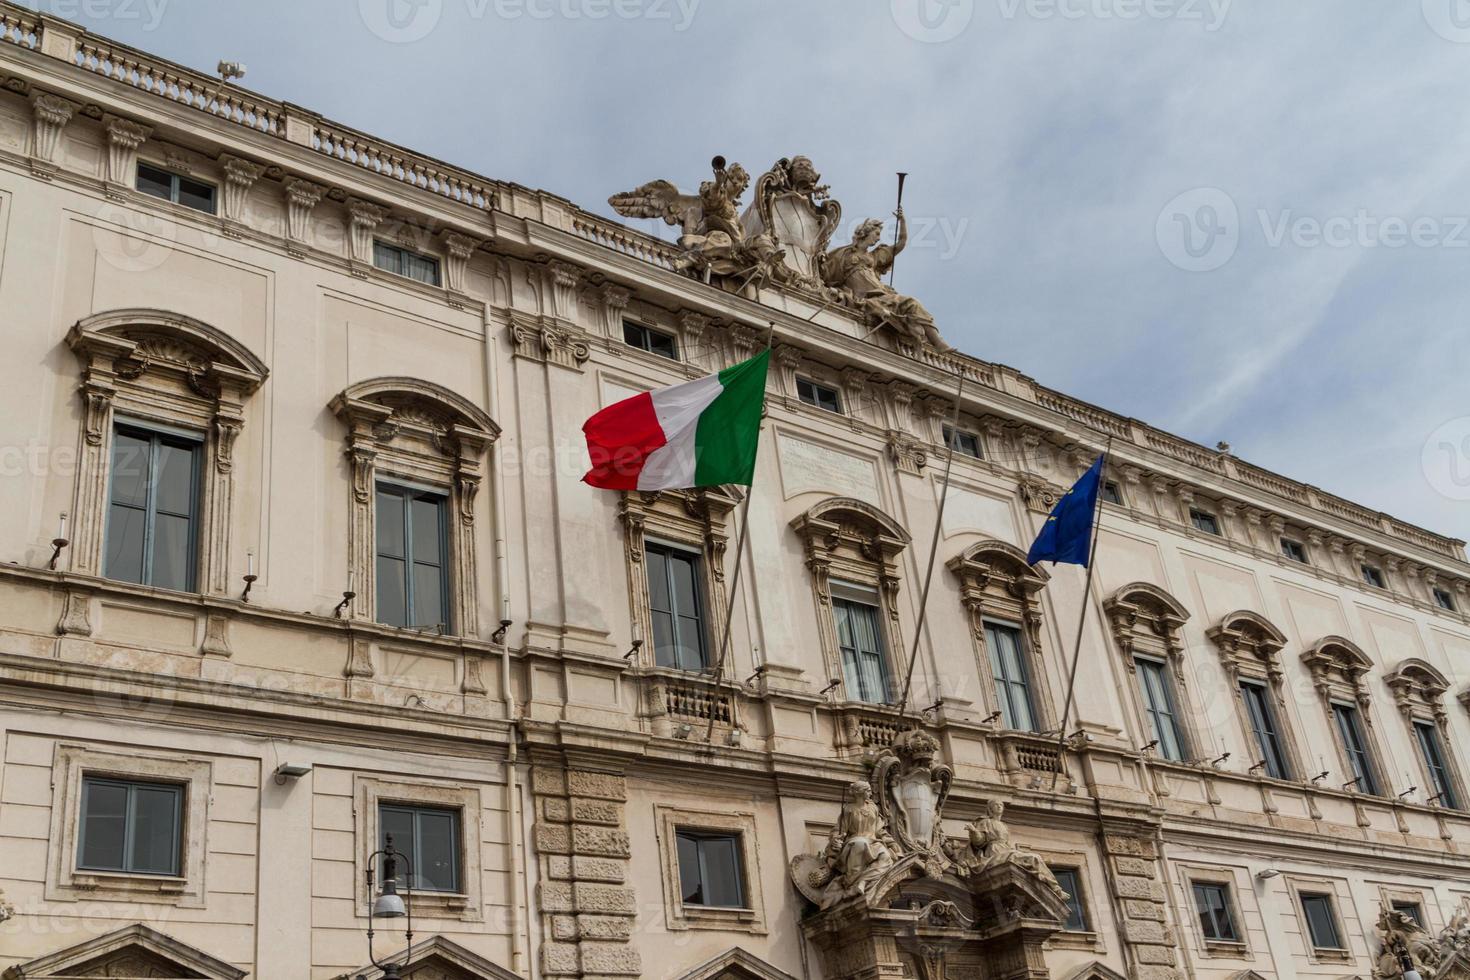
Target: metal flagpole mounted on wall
1082	616
740	540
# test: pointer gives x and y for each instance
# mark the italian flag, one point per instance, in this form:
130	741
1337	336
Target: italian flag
701	433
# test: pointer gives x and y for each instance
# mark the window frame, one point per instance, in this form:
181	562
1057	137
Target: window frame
1335	923
1205	522
1348	728
157	436
817	390
1002	680
1077	901
1429	740
1161	669
403	256
1264	725
1295	551
1112	492
387	485
957	439
1225	890
176	180
852	596
457	843
669	821
369	791
131	786
1373	576
646	334
666	550
700	836
1444	599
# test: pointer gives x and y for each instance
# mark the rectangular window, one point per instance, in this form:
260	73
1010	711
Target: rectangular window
1112	493
1012	680
1444	600
406	263
1216	920
1158	702
1071	881
674	603
176	188
1262	715
1434	760
818	395
412	574
1321	921
1413	910
964	443
130	827
1373	575
651	340
429	838
1204	521
1294	550
709	869
860	639
153	508
1355	746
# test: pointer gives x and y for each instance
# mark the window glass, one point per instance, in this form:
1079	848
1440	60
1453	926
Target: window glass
152	515
1070	880
1444	600
411	575
1321	923
429	838
649	339
964	443
674	600
859	637
1413	910
154	181
710	869
1355	746
1216	920
1432	750
818	395
1205	522
1294	550
104	825
1373	576
1262	715
406	263
1112	493
130	827
1158	700
1012	682
196	194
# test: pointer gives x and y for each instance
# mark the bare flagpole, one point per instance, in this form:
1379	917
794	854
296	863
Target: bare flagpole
739	564
908	682
1082	616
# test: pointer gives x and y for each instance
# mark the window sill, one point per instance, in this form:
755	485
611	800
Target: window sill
1322	955
1075	939
1227	949
711	917
163	884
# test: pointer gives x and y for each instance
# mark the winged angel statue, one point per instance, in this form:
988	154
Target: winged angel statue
714	241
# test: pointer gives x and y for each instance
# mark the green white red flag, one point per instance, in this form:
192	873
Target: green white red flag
701	433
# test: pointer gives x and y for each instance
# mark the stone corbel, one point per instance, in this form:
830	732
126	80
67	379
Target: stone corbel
364	218
538	339
901	404
302	197
566	282
457	252
76	614
788	359
124	137
615	300
692	329
240	176
744	342
216	636
50	114
907	453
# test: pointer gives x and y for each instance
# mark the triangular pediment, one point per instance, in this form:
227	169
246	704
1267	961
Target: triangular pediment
134	951
736	964
437	959
1096	970
1246	975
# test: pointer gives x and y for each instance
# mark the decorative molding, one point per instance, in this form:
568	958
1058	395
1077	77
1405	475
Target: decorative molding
240	176
302	197
132	951
537	338
457	252
363	220
50	114
124	137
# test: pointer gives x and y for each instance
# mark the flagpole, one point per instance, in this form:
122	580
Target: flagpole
739	564
1082	616
949	442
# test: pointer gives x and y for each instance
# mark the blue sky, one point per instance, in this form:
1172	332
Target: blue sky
1244	220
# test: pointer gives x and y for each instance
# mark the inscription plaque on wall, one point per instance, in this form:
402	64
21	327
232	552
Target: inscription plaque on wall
966	510
807	467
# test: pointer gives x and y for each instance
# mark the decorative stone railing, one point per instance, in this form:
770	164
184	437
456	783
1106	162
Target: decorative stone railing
17	28
624	240
393	162
1027	753
697	703
1082	412
1272	483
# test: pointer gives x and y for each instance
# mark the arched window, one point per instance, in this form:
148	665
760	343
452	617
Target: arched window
1146	622
164	400
1339	667
415	450
1001	593
1248	645
852	550
1419	690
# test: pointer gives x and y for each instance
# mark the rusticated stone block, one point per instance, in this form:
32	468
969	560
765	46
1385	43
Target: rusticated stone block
612	959
552	840
1157	973
560	867
560	958
1150	911
1140	931
1142	888
598	869
1129	846
1135	866
601	841
564	928
555	896
601	785
548	782
556	809
607	899
1155	955
597	811
605	927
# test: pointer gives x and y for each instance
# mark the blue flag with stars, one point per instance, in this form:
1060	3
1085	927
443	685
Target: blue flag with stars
1066	537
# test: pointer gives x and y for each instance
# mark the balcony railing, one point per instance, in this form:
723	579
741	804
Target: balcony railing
17	28
397	164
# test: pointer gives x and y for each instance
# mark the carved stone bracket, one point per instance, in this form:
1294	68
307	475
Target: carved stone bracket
240	176
124	137
457	252
302	197
50	114
540	339
364	218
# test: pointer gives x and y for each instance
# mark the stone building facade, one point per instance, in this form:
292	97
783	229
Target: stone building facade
359	589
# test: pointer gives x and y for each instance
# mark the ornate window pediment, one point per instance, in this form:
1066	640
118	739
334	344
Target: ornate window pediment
1249	645
172	370
1418	689
437	959
1096	970
1146	623
1146	618
1339	669
421	432
133	951
736	964
1338	665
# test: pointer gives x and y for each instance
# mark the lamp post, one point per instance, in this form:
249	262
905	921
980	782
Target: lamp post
388	904
1406	961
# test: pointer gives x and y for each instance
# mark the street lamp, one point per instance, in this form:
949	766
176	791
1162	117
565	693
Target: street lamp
387	903
1406	962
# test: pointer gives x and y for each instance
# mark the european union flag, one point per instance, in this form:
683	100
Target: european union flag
1066	538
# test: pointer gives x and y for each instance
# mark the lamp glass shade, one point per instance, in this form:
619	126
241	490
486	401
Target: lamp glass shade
388	904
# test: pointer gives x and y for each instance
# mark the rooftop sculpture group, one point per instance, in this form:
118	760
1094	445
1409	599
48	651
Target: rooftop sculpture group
1400	938
783	238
